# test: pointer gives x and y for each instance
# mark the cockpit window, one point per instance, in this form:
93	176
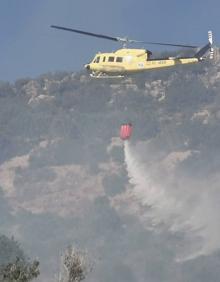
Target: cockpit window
103	59
111	59
97	60
119	59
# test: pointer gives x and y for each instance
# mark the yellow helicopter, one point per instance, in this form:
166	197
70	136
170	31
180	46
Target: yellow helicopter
127	61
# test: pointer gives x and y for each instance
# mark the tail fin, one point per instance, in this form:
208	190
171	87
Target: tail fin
208	47
211	55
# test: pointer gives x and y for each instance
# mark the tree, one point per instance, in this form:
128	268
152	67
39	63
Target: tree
75	265
14	266
19	271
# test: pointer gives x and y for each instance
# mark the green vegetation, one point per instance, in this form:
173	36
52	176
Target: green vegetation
14	267
61	153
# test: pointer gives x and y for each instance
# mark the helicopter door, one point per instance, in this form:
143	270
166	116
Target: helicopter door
128	59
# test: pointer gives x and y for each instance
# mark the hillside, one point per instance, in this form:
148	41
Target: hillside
67	178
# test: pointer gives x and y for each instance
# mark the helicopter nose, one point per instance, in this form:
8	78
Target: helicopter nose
87	67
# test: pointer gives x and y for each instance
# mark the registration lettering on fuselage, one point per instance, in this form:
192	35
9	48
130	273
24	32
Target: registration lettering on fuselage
141	65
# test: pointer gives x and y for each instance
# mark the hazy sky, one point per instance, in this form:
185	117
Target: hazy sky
29	47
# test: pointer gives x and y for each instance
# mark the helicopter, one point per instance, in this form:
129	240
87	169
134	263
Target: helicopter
127	61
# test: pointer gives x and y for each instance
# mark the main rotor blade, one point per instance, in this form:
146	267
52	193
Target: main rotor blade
119	39
85	33
164	44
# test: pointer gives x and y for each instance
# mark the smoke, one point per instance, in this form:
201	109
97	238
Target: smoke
184	205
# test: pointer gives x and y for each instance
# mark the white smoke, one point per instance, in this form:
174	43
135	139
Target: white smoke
183	205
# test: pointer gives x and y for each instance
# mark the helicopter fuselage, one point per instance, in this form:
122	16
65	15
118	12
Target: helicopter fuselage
125	61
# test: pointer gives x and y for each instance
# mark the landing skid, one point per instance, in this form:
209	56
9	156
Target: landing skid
104	75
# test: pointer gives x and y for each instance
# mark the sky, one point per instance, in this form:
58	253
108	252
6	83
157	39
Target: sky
29	47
